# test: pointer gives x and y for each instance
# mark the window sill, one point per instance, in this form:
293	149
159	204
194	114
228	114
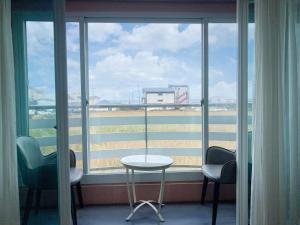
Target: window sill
172	175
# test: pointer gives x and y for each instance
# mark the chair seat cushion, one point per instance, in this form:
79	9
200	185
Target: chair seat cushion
212	171
75	175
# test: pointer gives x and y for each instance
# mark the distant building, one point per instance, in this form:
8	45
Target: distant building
158	96
182	93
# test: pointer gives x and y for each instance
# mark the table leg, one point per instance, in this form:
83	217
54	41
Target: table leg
135	210
128	189
133	186
162	190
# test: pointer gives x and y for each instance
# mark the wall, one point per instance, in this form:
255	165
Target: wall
108	194
200	8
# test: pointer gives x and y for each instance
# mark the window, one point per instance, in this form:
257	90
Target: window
130	63
143	95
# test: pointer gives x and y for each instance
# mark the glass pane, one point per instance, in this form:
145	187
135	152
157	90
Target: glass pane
41	84
144	91
33	36
42	115
223	85
74	90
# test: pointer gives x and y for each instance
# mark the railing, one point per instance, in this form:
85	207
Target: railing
119	130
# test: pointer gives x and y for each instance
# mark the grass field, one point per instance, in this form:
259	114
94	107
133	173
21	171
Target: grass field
124	129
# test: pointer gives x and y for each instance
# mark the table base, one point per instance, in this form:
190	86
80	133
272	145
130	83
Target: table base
149	203
135	204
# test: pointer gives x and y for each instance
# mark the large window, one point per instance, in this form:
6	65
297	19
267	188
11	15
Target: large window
143	89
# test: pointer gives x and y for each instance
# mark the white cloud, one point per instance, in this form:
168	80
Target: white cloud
143	65
161	36
106	52
223	90
40	38
223	35
251	31
100	32
73	44
119	74
232	60
215	74
73	65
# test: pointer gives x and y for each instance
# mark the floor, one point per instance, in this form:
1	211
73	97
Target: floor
174	214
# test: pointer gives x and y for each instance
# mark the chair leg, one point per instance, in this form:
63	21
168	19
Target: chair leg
73	206
37	200
28	206
79	194
215	202
204	188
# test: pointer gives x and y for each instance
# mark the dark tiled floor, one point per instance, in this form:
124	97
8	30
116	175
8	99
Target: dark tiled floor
174	214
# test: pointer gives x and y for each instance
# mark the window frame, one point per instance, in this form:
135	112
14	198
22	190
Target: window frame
191	174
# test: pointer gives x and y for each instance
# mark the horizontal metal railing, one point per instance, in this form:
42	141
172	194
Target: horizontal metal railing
43	118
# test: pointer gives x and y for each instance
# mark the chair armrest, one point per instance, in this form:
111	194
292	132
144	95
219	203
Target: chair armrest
52	158
228	173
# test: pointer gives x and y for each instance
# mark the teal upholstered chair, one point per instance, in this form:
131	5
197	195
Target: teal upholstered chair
39	173
219	168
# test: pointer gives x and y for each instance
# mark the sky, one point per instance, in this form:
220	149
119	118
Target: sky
124	58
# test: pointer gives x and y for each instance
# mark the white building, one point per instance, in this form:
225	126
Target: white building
158	96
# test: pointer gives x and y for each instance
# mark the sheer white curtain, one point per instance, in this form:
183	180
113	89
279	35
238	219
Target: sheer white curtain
276	148
9	194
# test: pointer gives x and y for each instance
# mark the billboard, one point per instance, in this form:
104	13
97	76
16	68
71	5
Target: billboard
182	93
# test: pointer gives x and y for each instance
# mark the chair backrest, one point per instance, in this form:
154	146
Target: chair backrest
218	155
29	154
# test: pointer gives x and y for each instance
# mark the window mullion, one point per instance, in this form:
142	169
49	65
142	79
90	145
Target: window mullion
204	88
84	94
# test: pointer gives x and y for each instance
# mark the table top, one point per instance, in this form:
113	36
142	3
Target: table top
147	162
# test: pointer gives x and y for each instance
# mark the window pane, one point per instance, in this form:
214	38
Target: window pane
74	90
223	85
42	119
134	64
41	84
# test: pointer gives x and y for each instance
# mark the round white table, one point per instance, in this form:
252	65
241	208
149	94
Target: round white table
145	163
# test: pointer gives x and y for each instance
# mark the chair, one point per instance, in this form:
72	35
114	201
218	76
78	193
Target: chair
220	168
39	173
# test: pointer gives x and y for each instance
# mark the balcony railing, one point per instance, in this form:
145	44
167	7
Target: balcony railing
119	130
